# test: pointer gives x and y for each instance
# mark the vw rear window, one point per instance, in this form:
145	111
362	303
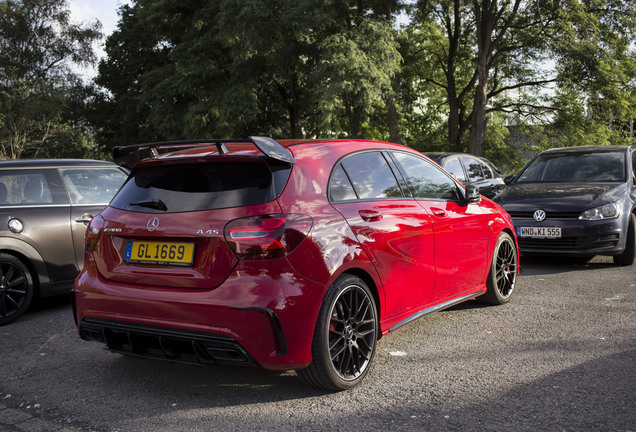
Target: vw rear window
199	186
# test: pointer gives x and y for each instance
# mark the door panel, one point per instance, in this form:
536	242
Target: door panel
461	246
395	232
89	191
460	229
399	240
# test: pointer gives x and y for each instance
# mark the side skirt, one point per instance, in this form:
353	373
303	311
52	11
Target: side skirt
436	308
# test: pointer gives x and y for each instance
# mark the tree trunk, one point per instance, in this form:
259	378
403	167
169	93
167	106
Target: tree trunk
294	122
485	18
454	138
478	120
355	123
394	132
454	33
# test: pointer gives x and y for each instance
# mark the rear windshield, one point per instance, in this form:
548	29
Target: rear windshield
200	186
576	167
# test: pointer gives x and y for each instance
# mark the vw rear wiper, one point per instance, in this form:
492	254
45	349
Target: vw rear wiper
154	204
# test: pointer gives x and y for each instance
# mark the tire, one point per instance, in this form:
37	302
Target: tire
345	336
627	257
16	289
503	272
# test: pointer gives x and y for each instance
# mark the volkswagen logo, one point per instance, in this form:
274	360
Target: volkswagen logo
153	224
539	216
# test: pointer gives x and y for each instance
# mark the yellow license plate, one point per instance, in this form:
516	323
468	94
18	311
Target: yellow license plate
163	253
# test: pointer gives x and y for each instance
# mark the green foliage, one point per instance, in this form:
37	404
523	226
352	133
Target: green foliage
284	68
358	65
573	125
499	147
38	45
322	68
596	61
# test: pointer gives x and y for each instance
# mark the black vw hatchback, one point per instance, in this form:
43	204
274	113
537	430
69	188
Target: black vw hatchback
576	201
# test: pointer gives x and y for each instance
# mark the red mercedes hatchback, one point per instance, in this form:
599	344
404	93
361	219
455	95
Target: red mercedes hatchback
285	255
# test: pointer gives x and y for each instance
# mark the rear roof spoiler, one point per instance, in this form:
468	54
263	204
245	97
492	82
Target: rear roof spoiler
127	156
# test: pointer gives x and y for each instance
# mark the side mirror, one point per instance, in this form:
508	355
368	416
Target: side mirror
472	194
509	179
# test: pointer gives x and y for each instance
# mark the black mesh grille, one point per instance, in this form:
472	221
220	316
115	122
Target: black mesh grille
570	243
165	344
549	215
562	243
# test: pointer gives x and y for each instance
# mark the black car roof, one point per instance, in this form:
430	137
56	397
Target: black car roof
52	163
588	149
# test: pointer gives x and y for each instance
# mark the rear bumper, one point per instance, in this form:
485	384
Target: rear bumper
164	343
263	317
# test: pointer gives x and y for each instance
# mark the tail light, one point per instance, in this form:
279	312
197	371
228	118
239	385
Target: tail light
267	236
93	232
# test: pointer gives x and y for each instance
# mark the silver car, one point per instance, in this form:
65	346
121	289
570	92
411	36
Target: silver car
45	207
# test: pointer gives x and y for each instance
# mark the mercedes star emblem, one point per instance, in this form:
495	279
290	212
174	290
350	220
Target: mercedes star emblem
153	224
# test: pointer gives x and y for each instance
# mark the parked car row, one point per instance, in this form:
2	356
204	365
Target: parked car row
293	254
577	201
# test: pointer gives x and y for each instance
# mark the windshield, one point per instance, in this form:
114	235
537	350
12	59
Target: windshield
575	167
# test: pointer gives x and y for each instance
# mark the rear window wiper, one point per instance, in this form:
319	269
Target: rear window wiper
153	204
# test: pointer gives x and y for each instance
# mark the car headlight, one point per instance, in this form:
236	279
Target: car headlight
607	211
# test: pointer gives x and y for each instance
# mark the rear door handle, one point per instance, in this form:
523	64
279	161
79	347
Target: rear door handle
370	215
85	218
438	211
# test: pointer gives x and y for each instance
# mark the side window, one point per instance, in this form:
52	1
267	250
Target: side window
485	169
371	176
473	169
92	185
426	180
25	187
340	188
455	168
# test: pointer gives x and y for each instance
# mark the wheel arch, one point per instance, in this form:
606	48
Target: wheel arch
30	257
511	233
368	279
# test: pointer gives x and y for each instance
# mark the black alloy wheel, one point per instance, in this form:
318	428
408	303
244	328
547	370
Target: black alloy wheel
16	288
345	336
503	272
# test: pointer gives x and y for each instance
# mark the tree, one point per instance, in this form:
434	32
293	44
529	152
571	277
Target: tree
488	56
119	113
38	45
596	60
290	68
483	54
358	64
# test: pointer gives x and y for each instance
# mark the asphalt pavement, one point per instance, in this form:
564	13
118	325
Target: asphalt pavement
561	356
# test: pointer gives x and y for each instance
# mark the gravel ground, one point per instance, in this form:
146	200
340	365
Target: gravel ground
561	356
